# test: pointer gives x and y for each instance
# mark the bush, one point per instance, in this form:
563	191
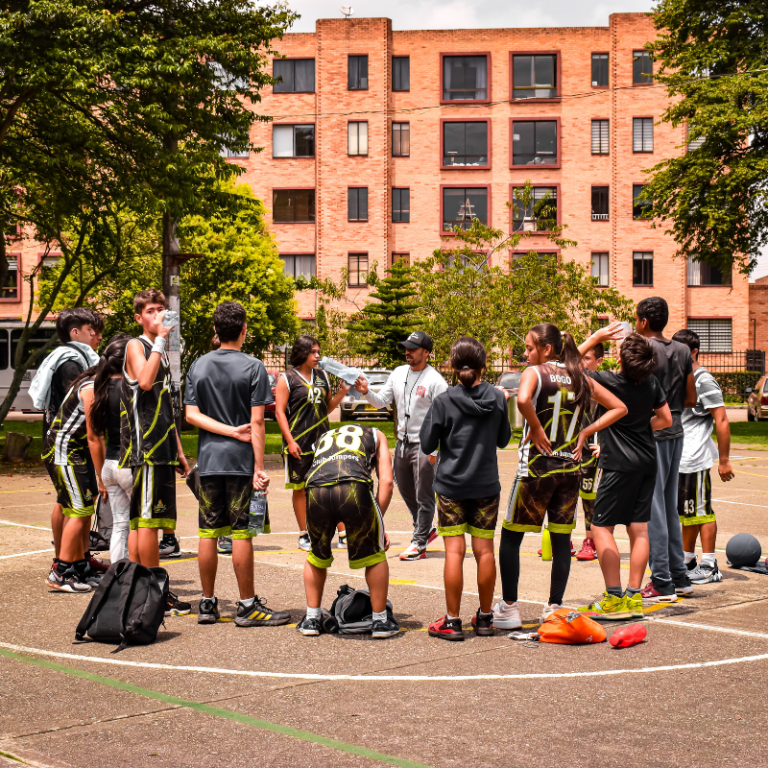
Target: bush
735	383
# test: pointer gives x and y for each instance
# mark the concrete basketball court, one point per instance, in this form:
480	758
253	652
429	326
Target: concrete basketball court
693	694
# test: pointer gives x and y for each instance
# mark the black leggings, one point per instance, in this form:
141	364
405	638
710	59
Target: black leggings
509	564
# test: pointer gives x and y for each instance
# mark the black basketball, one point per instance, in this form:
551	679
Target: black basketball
743	550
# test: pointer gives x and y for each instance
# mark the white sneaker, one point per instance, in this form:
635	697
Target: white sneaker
506	616
548	610
413	552
305	542
342	542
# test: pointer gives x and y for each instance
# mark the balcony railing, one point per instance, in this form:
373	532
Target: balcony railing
599	217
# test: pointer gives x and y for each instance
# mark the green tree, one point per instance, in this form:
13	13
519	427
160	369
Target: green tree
463	293
389	318
713	197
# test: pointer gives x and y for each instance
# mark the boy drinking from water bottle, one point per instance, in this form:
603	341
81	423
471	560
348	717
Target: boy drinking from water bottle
225	398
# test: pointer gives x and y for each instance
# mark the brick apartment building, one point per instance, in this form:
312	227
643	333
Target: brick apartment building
381	140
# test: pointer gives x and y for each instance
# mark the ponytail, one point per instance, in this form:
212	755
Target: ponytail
468	360
567	353
110	364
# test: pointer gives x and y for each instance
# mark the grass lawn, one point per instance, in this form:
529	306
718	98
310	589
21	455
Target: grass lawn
750	432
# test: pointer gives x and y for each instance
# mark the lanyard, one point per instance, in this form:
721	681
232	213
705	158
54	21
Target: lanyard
407	399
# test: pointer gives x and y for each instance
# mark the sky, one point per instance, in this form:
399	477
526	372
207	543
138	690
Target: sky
467	14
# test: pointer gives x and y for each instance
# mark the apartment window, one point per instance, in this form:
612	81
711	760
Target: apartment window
600	268
701	273
534	142
40	339
357	138
295	75
10	291
599	70
299	265
714	335
465	78
48	262
357	73
293	206
357	265
462	204
694	143
401	139
534	77
357	204
642	134
405	258
293	141
540	212
640	208
401	73
401	205
600	209
600	137
229	153
542	256
465	144
642	268
642	68
226	81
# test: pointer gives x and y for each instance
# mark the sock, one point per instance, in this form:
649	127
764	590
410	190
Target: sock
484	615
689	556
451	618
380	615
314	613
509	563
708	559
632	591
615	591
214	598
62	566
249	602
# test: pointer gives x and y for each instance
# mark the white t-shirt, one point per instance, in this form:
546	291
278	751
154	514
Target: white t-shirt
699	450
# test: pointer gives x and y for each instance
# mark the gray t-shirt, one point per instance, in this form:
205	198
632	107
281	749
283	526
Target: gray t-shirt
674	365
224	385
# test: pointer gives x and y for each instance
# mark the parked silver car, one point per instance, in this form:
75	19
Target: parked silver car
757	402
352	409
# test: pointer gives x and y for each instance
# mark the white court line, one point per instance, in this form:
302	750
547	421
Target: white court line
727	630
23	554
743	503
22	525
380	678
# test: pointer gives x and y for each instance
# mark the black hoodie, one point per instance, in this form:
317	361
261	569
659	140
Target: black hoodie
467	425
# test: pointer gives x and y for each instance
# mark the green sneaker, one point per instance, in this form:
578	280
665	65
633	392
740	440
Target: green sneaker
635	605
608	608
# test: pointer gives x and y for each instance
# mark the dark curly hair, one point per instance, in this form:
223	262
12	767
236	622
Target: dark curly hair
301	349
638	360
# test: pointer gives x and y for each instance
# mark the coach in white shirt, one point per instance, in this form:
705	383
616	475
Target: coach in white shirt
413	387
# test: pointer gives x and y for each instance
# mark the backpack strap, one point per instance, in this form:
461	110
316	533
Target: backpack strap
95	605
126	589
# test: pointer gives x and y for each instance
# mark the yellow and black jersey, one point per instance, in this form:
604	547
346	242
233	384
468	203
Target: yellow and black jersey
307	410
147	419
561	420
66	441
343	455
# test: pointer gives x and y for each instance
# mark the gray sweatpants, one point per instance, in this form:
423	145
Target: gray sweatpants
414	475
664	533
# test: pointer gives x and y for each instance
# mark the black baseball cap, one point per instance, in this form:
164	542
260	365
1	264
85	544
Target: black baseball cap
418	339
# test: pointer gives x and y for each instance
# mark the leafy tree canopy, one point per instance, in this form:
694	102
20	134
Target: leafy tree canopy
713	57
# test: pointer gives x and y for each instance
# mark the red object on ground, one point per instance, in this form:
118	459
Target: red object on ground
588	551
628	636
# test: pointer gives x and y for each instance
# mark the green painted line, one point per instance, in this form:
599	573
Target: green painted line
207	709
11	757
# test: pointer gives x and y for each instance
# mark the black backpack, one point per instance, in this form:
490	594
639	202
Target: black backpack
352	611
127	607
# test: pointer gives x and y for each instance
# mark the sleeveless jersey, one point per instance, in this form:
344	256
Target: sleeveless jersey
307	410
147	420
343	455
561	421
66	442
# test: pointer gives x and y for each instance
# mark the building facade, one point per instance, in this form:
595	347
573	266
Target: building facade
381	140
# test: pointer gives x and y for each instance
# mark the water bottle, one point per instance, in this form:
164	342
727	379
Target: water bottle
344	372
257	512
170	319
546	545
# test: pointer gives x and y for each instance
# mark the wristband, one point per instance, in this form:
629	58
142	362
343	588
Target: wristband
159	345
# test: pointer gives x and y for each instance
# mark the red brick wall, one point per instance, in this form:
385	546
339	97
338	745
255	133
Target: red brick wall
332	171
758	315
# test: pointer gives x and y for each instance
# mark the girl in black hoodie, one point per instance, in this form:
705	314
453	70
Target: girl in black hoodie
467	424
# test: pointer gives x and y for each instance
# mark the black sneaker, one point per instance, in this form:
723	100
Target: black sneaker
68	581
309	627
447	629
224	546
683	586
706	574
483	624
169	547
691	564
386	628
208	611
258	615
176	607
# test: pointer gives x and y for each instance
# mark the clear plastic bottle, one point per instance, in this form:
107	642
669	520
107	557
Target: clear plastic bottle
171	318
257	512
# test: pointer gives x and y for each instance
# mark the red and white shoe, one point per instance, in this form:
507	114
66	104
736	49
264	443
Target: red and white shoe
447	629
432	536
652	595
413	552
99	566
588	551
